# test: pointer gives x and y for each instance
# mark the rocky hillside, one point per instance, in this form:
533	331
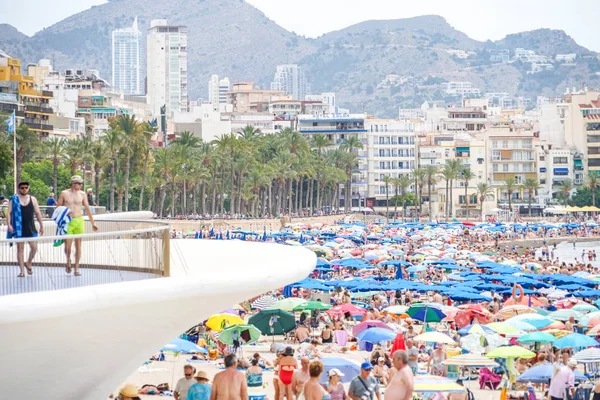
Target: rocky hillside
376	66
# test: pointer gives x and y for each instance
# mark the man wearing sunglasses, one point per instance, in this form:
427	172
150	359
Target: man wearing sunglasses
74	198
28	208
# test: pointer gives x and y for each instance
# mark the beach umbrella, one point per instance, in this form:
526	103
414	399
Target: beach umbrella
344	308
595	331
263	302
471	360
583	321
183	346
591	355
426	312
396	310
511	311
349	368
376	335
273	321
356	329
575	340
543	373
536	337
436	384
520	325
481	329
312	305
584	308
399	343
510	351
538	321
288	304
218	322
243	333
434	337
565	314
479	344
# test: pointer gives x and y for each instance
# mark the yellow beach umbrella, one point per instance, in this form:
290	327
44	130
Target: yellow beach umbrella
503	328
218	322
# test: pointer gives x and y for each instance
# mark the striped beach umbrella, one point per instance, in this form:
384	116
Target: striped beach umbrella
470	360
436	384
263	302
511	311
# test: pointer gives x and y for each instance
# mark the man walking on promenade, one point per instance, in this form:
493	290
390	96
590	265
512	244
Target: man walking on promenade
74	198
19	219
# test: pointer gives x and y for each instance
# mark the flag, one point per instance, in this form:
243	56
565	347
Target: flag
11	123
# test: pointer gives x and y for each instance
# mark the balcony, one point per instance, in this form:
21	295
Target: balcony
430	155
39	110
40	127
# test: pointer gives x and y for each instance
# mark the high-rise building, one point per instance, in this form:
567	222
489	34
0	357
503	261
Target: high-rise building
217	91
126	59
167	67
290	78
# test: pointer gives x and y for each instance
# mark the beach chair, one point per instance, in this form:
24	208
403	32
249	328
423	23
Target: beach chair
488	379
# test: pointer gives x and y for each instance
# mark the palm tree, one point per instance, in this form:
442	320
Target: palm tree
98	154
447	174
483	190
319	142
531	185
419	175
593	180
74	151
55	151
146	134
467	175
387	179
431	172
112	143
350	145
510	185
28	143
565	189
129	129
455	166
403	182
250	133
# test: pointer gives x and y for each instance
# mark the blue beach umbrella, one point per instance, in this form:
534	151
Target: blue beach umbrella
479	329
376	335
349	368
543	373
575	340
179	345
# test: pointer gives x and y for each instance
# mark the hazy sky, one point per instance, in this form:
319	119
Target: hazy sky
480	19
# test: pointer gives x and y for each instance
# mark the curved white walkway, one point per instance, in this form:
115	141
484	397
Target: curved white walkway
81	343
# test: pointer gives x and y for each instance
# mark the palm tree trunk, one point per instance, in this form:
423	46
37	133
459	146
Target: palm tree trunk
112	185
450	200
150	200
173	191
213	186
447	215
403	207
203	198
429	197
594	197
529	202
309	194
387	205
466	201
163	197
96	181
290	198
55	176
127	170
318	191
184	191
144	178
222	205
396	205
301	194
120	201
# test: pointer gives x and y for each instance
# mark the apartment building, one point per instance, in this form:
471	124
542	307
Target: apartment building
245	97
126	72
290	78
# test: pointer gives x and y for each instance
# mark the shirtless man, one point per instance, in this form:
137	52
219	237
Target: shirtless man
459	396
231	383
402	384
74	198
301	376
301	333
29	209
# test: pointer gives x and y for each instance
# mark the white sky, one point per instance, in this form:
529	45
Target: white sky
480	19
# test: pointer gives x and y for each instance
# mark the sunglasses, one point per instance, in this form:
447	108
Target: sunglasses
23	187
187	375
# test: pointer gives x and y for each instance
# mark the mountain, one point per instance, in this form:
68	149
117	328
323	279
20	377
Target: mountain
547	42
376	66
10	34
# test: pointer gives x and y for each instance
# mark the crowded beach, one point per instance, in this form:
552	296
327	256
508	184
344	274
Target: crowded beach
430	310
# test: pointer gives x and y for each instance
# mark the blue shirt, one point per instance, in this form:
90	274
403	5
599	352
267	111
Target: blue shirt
199	391
51	202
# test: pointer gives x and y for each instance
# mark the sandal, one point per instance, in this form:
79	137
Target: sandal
29	270
68	269
21	275
77	273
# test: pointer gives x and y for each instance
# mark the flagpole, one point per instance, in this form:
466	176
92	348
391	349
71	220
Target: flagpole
14	133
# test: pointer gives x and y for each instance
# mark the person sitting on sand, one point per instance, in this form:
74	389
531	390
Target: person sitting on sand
254	374
381	372
201	390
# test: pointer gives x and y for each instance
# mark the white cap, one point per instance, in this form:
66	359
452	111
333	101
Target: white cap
335	371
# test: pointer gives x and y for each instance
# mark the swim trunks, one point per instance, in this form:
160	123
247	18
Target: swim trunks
76	226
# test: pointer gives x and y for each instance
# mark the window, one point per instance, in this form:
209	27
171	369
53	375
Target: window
495	167
542	158
504	167
494	144
495	155
561	160
505	144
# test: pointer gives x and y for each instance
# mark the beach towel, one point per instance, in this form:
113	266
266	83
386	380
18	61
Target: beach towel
16	219
62	217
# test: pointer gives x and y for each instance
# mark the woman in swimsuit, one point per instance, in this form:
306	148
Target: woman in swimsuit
312	388
287	365
276	374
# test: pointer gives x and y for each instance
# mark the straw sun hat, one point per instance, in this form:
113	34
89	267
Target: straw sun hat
129	390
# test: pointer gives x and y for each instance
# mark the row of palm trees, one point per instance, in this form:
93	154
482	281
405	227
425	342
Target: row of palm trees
237	173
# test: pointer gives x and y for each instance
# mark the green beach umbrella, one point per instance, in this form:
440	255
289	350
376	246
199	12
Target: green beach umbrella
536	337
288	304
312	305
426	312
584	308
510	351
541	311
247	333
273	321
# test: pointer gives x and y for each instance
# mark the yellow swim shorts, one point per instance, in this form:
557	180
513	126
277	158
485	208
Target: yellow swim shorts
76	226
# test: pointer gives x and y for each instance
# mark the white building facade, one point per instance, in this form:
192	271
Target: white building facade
291	79
126	59
167	67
